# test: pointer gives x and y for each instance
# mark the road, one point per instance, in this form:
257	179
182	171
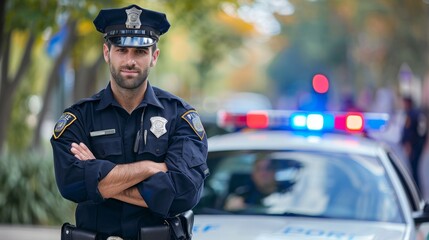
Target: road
28	232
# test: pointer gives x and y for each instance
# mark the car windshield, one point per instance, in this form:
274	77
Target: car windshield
299	183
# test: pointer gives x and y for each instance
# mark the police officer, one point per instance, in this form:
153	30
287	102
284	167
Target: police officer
414	133
132	154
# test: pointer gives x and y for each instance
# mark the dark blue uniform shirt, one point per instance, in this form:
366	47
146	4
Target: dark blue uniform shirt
171	132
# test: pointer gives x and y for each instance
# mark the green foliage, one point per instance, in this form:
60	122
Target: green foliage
212	39
28	191
20	135
29	14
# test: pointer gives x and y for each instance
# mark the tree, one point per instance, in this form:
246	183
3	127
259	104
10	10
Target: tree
33	18
16	19
80	50
53	78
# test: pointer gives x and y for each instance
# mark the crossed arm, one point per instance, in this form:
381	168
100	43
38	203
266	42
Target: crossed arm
119	182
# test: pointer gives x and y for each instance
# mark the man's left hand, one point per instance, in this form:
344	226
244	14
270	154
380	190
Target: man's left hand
81	152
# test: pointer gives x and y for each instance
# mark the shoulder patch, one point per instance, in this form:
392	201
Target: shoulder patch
65	120
193	119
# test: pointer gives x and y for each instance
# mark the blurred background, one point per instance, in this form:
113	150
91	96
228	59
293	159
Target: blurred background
219	54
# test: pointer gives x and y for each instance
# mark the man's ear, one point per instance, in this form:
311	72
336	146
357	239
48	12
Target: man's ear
106	52
155	56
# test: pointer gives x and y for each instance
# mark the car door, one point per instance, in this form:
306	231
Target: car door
419	207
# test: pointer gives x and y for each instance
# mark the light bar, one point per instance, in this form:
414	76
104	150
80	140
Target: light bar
304	121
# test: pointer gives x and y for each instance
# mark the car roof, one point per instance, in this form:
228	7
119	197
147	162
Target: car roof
288	140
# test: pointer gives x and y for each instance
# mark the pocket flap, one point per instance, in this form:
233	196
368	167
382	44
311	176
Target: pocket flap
193	153
104	146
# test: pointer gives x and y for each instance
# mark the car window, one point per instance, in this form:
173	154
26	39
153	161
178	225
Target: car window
314	184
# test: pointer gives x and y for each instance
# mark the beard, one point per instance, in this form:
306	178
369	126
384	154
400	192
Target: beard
129	83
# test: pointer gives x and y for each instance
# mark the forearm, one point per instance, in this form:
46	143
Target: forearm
124	176
131	196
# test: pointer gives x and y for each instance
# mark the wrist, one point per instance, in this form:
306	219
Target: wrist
149	168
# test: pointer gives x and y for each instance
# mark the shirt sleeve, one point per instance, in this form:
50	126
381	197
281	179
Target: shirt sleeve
179	189
76	180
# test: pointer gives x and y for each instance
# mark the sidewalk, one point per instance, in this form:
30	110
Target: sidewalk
29	232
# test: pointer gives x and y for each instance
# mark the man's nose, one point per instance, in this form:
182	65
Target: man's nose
131	61
130	58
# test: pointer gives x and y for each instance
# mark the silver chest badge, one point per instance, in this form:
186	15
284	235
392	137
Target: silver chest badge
133	18
158	126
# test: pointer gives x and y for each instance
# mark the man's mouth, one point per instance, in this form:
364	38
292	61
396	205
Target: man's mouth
127	71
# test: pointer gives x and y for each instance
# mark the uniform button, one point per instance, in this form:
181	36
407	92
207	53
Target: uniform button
157	150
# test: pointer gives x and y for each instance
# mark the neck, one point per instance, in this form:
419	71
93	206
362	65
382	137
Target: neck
129	99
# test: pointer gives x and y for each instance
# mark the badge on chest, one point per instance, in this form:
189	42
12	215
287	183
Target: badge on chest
158	126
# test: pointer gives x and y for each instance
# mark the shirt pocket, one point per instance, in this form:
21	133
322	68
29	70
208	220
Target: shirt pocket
154	146
104	147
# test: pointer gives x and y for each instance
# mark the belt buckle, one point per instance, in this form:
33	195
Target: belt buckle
114	238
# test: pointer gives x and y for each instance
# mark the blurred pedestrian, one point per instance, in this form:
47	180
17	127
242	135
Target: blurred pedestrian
349	104
414	134
132	155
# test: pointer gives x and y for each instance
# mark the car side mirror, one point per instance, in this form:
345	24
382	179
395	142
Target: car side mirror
422	216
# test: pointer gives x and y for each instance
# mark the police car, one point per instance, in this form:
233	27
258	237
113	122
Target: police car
331	181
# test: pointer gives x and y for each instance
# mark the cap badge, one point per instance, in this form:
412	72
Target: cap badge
133	18
158	126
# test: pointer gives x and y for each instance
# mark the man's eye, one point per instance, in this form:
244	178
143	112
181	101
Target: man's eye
141	51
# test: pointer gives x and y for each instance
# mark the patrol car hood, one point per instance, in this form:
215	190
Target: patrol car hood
227	227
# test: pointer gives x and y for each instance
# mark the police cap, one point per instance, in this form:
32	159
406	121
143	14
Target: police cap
131	26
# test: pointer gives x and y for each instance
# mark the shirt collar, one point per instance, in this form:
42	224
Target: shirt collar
149	98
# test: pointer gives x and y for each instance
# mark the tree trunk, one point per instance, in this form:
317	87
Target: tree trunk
53	80
85	82
8	87
2	22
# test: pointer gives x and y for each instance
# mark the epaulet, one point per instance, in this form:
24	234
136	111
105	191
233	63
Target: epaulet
167	95
95	97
